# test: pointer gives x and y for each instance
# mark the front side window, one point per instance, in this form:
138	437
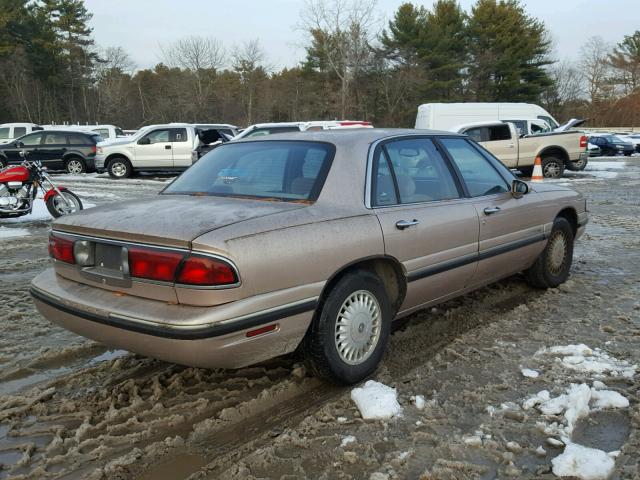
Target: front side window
480	176
4	133
282	170
549	120
419	171
159	136
474	134
499	132
31	140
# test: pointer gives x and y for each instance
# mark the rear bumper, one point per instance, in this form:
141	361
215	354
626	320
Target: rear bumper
99	161
179	334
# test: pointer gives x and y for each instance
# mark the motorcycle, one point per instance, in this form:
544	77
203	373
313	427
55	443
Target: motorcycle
19	186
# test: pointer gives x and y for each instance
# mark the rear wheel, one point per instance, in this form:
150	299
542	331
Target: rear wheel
552	167
119	167
552	266
68	203
75	166
350	331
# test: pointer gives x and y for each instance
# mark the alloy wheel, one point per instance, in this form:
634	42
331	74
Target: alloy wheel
74	167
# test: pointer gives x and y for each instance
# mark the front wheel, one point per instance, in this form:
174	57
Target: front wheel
552	266
348	336
119	167
58	207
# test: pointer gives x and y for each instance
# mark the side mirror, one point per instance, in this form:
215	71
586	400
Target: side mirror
19	144
144	141
519	188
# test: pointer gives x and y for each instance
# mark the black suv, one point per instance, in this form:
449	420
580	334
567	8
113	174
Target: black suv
66	150
612	145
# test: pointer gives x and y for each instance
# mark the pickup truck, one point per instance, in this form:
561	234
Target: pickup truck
556	150
167	147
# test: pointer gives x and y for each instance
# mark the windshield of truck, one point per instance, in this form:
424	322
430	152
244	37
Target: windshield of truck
274	170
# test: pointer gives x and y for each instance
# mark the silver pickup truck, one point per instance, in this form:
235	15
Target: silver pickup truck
557	150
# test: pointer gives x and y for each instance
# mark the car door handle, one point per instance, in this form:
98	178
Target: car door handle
491	210
167	147
402	224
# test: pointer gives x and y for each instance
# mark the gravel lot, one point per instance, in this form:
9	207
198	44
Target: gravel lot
73	408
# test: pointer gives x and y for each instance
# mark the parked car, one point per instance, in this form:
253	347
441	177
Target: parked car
261	129
11	131
594	150
556	150
445	116
153	148
633	138
612	145
317	240
72	151
229	130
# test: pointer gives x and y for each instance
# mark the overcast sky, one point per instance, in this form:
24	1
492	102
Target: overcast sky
142	26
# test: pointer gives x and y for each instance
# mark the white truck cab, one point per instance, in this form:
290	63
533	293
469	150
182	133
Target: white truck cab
11	131
166	147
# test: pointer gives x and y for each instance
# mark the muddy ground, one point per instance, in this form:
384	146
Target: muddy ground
72	408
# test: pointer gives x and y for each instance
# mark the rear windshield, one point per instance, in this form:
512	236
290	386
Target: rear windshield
278	170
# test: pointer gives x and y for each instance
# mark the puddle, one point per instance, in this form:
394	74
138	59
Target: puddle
178	467
604	430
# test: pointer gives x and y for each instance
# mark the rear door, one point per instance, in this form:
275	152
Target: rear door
52	149
511	234
154	150
182	147
426	224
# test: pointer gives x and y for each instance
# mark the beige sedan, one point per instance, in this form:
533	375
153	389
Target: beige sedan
316	241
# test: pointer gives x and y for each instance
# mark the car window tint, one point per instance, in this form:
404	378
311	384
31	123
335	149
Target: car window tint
474	134
274	169
499	132
77	139
420	171
159	136
19	131
31	140
55	138
179	135
478	173
4	133
104	132
384	192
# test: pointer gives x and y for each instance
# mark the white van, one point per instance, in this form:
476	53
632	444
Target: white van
11	131
447	116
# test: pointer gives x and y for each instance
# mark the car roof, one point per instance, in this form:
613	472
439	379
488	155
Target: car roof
348	136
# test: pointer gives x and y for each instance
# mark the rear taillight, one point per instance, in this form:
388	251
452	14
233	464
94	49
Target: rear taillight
153	264
61	249
583	141
179	268
206	271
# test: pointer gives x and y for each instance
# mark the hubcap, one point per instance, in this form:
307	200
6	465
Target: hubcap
119	169
557	253
74	167
61	206
551	170
358	327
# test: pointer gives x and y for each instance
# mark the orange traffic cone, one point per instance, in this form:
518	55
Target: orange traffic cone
536	176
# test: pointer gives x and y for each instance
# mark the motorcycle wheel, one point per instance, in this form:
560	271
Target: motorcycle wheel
58	207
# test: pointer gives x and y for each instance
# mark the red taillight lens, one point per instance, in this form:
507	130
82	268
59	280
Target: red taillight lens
206	271
153	264
94	148
583	141
61	249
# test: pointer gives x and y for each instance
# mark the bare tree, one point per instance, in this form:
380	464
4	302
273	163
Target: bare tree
341	32
596	70
249	63
194	54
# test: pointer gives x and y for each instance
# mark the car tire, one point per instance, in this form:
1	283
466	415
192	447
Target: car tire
552	267
57	210
552	167
119	167
348	355
75	166
577	165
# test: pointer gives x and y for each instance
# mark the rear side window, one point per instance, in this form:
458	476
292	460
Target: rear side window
480	176
78	139
4	133
499	132
55	138
103	132
418	171
19	131
282	170
179	135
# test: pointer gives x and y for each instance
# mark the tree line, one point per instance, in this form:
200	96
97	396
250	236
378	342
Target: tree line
51	70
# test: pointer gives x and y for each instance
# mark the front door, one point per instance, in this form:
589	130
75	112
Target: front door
426	224
510	236
154	150
29	144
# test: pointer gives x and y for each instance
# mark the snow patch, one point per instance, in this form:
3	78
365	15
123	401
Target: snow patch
583	462
376	401
13	232
347	440
419	402
599	166
527	372
608	399
581	358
